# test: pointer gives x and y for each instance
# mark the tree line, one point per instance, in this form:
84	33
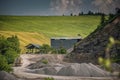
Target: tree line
117	10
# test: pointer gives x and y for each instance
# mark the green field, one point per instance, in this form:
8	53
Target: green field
33	27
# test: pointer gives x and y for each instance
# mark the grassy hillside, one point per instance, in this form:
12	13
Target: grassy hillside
50	26
32	29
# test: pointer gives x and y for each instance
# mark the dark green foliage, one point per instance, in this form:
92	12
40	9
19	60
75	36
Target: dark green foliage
62	51
10	56
90	13
4	65
102	19
14	43
71	14
111	16
45	61
49	78
10	42
59	51
79	14
54	51
4	45
9	50
117	11
45	48
105	21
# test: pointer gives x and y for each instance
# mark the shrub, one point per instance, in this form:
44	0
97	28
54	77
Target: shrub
45	61
54	51
4	65
4	45
62	51
14	43
49	78
10	56
45	48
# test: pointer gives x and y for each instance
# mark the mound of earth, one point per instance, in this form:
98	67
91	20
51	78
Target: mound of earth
84	70
6	76
93	46
71	69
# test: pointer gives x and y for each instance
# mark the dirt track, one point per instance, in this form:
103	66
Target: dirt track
21	71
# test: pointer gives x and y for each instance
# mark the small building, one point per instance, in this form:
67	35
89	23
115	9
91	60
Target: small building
32	48
64	42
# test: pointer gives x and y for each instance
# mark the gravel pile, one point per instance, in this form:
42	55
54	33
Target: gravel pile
6	76
84	70
73	69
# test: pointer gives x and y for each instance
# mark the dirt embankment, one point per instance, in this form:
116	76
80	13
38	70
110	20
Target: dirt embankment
94	46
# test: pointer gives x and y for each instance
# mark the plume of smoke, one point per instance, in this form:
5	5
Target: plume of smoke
106	6
65	6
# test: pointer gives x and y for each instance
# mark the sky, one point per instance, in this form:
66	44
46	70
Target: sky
56	7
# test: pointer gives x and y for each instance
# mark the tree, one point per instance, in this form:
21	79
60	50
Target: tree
45	48
90	13
110	16
102	19
117	10
14	43
71	14
82	13
79	14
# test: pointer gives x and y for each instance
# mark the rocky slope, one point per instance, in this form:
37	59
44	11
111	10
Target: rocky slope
6	76
95	44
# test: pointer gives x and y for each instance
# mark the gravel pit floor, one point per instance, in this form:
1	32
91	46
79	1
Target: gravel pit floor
64	71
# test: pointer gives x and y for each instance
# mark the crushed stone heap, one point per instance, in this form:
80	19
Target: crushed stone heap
6	76
69	69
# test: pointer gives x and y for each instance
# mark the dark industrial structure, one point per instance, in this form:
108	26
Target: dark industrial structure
32	48
64	42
